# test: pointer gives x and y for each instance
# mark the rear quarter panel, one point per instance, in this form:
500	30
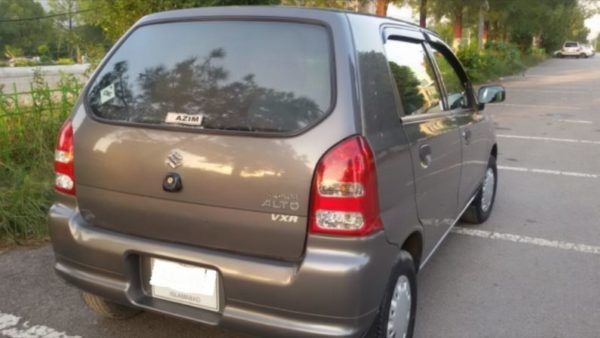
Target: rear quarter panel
383	129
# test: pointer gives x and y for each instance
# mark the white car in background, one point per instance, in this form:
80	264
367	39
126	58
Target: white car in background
589	50
572	48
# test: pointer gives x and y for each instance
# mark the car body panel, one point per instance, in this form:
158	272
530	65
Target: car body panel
383	128
233	193
475	129
276	279
109	264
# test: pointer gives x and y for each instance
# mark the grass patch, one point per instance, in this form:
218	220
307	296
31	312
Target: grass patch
28	127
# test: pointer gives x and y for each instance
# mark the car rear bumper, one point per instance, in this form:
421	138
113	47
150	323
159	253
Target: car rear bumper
330	292
566	53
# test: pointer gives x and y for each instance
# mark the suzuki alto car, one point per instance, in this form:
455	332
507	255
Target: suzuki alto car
280	171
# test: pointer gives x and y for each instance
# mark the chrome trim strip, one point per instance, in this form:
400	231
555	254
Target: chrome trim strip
446	233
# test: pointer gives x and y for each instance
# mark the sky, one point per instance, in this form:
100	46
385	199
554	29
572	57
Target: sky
406	13
593	24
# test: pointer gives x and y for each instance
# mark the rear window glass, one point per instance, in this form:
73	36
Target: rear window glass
226	75
571	44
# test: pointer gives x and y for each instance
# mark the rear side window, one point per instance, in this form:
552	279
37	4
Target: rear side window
414	77
225	75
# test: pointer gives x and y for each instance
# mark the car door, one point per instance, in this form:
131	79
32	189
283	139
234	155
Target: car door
433	133
474	132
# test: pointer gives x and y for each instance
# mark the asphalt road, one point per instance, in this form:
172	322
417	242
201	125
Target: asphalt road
533	270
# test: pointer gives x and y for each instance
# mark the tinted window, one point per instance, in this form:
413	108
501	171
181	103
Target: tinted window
414	77
455	88
571	44
233	75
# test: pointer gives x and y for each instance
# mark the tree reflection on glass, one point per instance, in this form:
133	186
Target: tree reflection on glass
408	87
198	85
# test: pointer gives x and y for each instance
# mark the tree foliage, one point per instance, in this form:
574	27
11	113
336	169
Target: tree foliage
23	36
553	20
114	17
518	21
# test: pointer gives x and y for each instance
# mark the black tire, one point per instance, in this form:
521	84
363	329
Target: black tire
584	56
405	267
106	308
475	213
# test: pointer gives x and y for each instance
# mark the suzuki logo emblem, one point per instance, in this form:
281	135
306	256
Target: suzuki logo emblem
175	160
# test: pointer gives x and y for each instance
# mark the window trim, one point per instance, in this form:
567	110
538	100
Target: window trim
402	34
443	49
333	77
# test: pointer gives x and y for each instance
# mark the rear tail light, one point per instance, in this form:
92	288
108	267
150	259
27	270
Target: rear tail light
344	192
63	160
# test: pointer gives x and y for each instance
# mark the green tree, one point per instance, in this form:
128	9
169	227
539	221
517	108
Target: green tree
65	23
554	21
114	17
19	27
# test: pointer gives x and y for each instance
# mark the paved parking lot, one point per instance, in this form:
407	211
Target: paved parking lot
533	270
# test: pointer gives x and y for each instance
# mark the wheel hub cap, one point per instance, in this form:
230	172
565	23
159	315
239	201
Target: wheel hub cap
400	309
487	190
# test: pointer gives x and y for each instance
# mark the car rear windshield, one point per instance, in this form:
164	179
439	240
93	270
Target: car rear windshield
253	76
571	44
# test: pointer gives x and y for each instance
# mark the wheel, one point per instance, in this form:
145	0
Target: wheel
106	308
583	56
396	315
481	207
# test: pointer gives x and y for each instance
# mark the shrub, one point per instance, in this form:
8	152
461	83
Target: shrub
497	59
28	126
65	61
24	62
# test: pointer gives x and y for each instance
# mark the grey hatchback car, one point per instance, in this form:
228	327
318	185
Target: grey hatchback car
280	171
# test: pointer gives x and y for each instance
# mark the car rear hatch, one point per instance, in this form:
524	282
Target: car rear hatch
571	47
221	106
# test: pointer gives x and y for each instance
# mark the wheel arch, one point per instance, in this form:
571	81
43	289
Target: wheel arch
414	246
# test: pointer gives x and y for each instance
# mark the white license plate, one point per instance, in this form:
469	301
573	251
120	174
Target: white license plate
185	284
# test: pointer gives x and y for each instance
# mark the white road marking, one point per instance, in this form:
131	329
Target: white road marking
558	90
582	248
503	167
14	327
553	139
575	121
548	171
538	106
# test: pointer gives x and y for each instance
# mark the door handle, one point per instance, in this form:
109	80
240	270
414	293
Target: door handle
466	134
425	155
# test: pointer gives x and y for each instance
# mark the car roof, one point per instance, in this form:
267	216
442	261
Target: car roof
266	12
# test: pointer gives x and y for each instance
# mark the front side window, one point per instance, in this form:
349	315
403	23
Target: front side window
414	77
455	87
247	76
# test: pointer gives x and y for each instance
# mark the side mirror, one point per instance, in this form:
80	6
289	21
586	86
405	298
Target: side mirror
491	94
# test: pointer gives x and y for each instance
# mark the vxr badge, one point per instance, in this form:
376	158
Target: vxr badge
175	160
